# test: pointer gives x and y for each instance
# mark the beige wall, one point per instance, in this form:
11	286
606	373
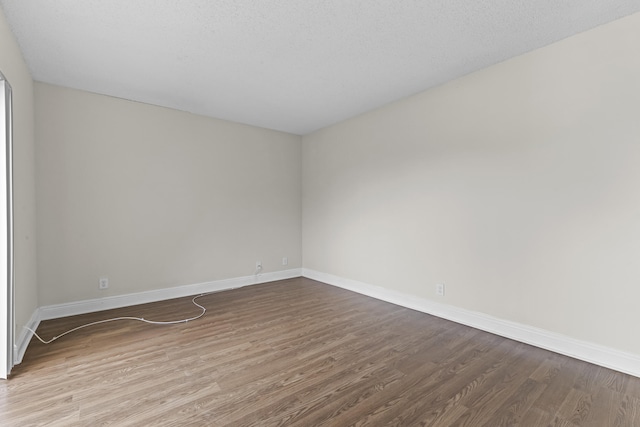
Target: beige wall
517	186
15	70
156	198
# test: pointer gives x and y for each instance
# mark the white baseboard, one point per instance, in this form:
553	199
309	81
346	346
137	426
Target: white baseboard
582	350
24	337
589	352
108	303
89	306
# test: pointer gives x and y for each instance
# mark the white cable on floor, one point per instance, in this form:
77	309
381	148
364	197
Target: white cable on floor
140	319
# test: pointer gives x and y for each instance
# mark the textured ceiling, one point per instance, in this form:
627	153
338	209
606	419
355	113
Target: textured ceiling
290	65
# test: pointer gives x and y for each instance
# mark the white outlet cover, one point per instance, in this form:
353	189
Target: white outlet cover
440	289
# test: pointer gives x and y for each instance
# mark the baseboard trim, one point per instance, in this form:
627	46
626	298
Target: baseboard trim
589	352
24	338
117	301
89	306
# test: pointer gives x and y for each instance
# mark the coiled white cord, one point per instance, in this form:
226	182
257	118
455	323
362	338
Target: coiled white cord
140	319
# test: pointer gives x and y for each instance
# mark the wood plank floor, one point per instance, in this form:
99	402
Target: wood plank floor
302	353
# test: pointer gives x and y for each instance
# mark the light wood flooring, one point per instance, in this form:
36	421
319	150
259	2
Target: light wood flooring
302	353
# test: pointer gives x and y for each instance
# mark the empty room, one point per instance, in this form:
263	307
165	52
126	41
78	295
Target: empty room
320	213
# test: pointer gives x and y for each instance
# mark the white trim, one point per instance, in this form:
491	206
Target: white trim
558	343
90	306
24	338
7	338
562	344
108	303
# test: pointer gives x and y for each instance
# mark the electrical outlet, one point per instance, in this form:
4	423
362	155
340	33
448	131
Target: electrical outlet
103	283
285	261
440	289
258	267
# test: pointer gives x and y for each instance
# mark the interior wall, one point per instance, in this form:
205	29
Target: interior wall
154	198
15	70
515	186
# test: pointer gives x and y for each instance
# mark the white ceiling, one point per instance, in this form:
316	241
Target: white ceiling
290	65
